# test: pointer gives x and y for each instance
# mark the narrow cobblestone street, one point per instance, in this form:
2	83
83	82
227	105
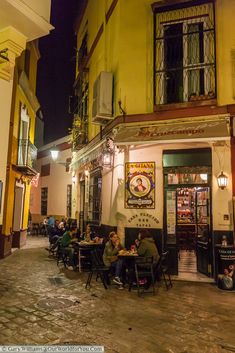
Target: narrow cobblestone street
188	318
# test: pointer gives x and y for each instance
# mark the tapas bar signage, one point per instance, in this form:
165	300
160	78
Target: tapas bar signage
131	133
140	185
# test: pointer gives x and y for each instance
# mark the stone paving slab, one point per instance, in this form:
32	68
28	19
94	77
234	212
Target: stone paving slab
189	318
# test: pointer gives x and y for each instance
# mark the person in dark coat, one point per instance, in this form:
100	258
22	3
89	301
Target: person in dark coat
146	246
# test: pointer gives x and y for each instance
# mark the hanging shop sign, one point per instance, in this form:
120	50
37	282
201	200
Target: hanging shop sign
132	133
140	185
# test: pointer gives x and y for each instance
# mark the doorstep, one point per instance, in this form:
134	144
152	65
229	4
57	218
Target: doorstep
192	277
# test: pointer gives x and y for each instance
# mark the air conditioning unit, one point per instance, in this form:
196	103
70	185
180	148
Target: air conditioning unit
102	108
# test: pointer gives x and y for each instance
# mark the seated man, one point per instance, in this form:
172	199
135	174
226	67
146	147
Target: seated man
66	244
55	233
112	247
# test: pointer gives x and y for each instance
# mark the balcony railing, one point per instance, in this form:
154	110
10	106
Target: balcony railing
27	154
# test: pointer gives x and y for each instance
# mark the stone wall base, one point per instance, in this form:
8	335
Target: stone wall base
5	244
19	238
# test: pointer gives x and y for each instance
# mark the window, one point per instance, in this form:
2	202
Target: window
94	207
82	52
23	136
45	170
80	121
184	54
44	196
69	200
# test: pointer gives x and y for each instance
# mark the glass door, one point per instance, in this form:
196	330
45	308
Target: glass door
203	234
170	229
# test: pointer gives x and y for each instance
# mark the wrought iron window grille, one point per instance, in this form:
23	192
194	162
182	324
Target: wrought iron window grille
184	55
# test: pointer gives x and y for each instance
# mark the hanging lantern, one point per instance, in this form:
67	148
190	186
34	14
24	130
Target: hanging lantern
108	153
107	159
222	181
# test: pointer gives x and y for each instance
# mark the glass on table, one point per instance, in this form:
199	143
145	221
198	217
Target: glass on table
133	249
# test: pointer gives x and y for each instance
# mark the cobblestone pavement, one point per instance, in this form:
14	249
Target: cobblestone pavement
189	318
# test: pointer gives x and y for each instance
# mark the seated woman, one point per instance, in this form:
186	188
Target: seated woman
146	246
88	235
112	247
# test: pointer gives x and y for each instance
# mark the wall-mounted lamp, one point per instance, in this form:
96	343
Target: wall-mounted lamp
222	181
54	153
86	172
108	153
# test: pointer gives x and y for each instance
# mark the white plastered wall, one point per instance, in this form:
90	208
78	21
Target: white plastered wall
113	187
56	183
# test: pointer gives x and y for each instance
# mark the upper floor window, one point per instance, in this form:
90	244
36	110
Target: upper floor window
184	54
82	52
79	131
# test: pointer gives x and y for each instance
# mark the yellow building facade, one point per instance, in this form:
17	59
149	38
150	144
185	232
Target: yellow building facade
20	26
169	69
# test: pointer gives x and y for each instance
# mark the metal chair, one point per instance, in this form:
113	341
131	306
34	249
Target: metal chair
144	274
61	256
98	267
162	270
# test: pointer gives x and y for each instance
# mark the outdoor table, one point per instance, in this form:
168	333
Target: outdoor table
129	259
84	245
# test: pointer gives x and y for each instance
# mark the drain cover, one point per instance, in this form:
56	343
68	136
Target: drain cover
55	303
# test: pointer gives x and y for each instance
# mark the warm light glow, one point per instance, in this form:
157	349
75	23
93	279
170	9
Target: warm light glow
54	154
86	172
222	181
107	159
203	177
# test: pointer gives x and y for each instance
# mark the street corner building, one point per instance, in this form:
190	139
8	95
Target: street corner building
21	24
153	139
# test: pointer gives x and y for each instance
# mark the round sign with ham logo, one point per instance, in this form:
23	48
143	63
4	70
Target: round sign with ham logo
140	185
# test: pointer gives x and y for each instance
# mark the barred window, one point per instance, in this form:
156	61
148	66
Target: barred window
184	54
94	208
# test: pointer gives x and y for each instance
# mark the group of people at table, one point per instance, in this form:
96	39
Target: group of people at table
113	254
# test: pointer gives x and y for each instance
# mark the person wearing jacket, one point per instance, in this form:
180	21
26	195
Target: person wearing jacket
110	258
146	246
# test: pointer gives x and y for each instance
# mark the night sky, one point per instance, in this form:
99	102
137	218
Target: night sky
56	69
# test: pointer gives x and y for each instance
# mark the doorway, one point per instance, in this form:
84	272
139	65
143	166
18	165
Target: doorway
18	207
187	222
193	229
